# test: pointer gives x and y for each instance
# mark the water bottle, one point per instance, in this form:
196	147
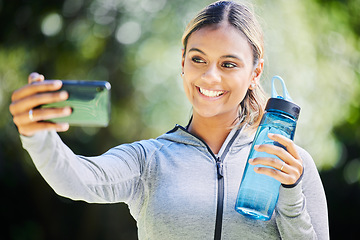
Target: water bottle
258	193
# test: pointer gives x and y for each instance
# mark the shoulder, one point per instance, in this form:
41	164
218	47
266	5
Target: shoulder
308	161
147	147
142	148
311	179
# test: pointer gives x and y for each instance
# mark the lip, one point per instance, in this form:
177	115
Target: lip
209	97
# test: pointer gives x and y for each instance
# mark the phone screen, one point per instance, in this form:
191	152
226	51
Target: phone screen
89	100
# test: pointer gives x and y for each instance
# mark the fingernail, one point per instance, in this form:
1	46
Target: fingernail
34	75
64	126
67	110
57	83
271	135
63	95
251	160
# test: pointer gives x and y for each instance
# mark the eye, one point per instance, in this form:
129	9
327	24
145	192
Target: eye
228	65
197	60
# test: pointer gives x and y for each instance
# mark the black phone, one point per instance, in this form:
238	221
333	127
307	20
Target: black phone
89	100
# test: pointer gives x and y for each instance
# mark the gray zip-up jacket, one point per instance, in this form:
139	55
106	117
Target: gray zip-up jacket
176	188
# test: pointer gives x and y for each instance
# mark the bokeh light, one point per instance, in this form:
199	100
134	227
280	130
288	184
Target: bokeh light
128	32
52	24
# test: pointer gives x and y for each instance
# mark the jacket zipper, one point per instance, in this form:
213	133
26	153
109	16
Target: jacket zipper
219	168
220	200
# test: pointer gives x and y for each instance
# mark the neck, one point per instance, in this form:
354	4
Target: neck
212	130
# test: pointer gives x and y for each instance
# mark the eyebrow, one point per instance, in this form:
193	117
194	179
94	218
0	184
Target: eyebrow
225	56
196	50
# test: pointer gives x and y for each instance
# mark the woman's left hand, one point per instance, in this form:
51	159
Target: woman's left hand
287	171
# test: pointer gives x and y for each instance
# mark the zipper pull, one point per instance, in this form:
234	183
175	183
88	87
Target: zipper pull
219	166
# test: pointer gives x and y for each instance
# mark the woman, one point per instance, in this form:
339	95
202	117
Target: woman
172	183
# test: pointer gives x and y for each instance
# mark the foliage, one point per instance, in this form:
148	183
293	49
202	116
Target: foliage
135	45
316	53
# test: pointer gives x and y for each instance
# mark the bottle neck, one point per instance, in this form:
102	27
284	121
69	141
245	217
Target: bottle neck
286	107
280	112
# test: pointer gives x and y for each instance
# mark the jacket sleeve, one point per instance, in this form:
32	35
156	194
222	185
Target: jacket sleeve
111	177
302	210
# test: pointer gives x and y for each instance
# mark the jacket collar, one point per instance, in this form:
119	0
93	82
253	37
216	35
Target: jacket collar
180	134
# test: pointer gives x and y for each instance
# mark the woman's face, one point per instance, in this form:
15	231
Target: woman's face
218	70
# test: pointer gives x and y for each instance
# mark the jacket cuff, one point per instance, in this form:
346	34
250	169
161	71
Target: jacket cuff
291	200
32	140
39	142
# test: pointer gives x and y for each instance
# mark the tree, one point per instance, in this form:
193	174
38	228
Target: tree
135	45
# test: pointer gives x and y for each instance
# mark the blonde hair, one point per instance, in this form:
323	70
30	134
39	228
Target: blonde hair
243	19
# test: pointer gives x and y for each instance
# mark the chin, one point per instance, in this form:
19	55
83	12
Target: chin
208	114
216	113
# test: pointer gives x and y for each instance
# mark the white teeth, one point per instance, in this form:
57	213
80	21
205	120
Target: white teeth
210	93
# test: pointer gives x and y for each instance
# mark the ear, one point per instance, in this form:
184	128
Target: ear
258	71
182	59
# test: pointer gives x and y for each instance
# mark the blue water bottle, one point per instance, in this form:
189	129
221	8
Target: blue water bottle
258	193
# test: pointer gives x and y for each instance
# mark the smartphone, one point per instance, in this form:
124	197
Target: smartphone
89	100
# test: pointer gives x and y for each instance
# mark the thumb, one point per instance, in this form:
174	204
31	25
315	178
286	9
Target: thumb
35	77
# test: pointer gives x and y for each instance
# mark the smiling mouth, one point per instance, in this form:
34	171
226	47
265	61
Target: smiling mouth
211	93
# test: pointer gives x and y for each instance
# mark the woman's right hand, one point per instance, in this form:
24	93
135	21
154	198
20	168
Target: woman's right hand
24	101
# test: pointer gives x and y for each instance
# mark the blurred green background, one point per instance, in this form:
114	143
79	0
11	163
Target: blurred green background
135	45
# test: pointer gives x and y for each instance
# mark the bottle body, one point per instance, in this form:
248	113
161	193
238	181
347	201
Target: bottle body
258	193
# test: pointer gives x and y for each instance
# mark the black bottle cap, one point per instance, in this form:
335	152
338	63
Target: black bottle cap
283	105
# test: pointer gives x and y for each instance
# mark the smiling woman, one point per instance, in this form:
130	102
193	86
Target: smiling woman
249	37
218	72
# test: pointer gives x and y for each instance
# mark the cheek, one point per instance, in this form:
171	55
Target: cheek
190	74
239	97
242	97
241	87
187	88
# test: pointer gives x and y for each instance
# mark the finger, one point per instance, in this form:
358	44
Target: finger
271	162
33	101
31	89
35	77
32	128
278	175
283	155
41	114
286	142
275	150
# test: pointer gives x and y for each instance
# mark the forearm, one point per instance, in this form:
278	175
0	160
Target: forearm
59	166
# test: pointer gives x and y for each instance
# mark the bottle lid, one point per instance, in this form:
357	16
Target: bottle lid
283	103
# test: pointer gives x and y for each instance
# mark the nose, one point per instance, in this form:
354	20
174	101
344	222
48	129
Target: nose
211	74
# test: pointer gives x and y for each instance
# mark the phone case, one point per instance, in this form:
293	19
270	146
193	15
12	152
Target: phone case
90	103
